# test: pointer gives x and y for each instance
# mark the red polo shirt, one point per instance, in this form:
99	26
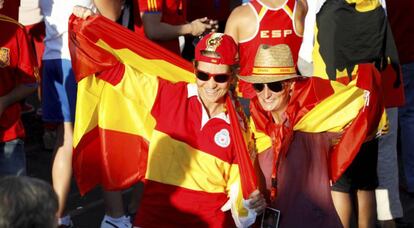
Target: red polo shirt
17	66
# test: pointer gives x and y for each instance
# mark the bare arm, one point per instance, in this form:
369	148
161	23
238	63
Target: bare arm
157	30
110	9
300	15
17	94
241	23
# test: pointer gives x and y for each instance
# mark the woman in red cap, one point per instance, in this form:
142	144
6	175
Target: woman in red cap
193	177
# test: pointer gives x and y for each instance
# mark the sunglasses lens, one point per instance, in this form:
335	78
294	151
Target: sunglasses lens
221	78
202	76
275	86
258	87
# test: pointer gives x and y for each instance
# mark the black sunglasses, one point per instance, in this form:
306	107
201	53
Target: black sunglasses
219	78
274	86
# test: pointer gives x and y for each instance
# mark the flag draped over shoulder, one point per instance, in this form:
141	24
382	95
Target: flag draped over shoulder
354	109
112	127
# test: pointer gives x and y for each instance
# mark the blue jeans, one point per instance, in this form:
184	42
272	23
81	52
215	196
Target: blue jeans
12	158
406	115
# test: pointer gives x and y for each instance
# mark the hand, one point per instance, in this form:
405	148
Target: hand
257	202
201	25
82	12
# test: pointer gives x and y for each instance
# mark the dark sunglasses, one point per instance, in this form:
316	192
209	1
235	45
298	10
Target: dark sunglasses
219	78
274	86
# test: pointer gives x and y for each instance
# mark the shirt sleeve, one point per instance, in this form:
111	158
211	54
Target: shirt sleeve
27	65
150	6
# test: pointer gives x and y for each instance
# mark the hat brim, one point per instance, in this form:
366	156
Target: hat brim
266	78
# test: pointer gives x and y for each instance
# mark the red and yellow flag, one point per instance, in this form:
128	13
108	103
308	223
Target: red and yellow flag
113	127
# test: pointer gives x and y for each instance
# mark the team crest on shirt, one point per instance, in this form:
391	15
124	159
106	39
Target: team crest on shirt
4	57
222	138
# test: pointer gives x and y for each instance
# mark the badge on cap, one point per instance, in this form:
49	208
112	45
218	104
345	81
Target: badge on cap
213	42
222	138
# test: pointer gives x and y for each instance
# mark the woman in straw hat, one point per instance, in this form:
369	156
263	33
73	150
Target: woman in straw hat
293	165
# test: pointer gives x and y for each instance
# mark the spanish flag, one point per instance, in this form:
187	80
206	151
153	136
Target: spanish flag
112	127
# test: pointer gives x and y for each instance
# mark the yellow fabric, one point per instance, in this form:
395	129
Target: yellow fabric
319	67
288	11
105	99
263	142
365	5
336	111
193	169
154	67
262	12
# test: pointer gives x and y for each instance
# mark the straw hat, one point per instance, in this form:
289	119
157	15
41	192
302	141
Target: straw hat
272	64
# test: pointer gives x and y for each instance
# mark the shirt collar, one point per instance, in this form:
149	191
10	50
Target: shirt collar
193	91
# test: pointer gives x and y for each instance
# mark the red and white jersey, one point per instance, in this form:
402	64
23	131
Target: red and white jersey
274	26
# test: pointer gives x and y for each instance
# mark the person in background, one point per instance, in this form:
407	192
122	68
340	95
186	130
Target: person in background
165	21
27	202
400	17
19	75
59	88
268	22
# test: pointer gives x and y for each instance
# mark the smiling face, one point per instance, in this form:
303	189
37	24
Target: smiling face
274	102
210	91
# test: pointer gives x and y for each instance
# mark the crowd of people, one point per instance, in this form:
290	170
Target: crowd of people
233	109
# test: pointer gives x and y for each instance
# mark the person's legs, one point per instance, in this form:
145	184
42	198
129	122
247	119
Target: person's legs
114	206
114	211
387	194
12	158
406	115
343	205
366	209
58	104
62	164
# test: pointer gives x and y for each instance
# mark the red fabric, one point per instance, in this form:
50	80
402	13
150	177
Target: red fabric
247	173
177	204
223	45
89	59
17	66
37	33
363	126
393	92
11	9
303	185
92	167
173	13
187	119
401	17
273	20
308	92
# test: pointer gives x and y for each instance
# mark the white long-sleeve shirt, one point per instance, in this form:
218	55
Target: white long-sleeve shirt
56	15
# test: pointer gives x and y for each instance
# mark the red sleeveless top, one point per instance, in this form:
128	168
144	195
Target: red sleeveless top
275	26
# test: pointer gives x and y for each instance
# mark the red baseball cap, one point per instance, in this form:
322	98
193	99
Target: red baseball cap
221	44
